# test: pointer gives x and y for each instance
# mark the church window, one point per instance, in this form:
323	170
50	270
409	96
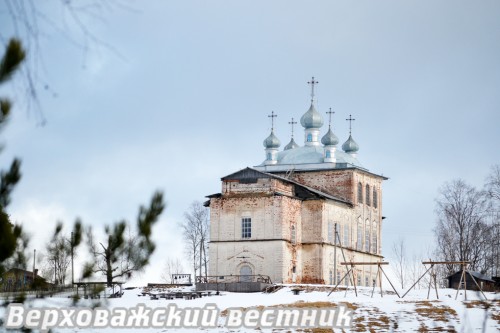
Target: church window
359	245
293	235
374	238
366	281
246	227
346	235
367	193
269	156
294	269
330	232
331	277
328	154
367	236
375	199
359	279
309	137
360	193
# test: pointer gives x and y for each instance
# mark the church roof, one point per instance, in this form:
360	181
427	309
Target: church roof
309	158
302	191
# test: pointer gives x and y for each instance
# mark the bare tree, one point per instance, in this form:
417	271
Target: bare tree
461	231
493	184
492	188
415	271
61	250
196	236
121	255
400	261
172	266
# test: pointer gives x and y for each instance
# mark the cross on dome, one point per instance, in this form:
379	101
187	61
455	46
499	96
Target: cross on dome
312	83
272	116
330	113
292	123
350	120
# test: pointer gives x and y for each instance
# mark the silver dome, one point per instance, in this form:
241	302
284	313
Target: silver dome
329	139
312	118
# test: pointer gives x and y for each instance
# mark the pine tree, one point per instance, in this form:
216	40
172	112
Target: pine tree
10	234
121	255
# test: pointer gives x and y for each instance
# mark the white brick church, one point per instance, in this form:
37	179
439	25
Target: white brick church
279	218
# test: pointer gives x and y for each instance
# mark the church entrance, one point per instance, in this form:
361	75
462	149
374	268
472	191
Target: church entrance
245	272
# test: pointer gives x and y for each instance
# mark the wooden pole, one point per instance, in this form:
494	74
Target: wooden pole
420	278
374	284
460	283
480	289
389	282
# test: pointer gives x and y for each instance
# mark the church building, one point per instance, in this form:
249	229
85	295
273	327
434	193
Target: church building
301	213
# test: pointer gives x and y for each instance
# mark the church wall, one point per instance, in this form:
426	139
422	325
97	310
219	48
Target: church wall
318	254
338	183
364	275
312	220
269	249
370	216
261	185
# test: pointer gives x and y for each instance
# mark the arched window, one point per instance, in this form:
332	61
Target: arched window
367	193
375	199
360	193
330	232
374	238
293	235
309	137
245	272
331	277
269	156
328	154
367	236
359	244
346	236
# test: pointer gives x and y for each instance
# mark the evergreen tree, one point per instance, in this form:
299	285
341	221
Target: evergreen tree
120	255
11	236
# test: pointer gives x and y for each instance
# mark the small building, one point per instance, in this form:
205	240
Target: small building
497	282
485	282
16	279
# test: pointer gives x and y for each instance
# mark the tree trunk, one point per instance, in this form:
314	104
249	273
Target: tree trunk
109	270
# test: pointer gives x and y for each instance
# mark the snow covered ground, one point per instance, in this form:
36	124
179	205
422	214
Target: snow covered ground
414	313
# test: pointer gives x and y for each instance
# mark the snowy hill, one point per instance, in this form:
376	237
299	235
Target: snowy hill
369	314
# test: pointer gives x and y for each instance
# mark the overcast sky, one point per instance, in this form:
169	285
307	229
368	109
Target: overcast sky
183	96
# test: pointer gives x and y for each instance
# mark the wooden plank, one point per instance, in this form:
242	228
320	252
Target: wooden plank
360	263
445	262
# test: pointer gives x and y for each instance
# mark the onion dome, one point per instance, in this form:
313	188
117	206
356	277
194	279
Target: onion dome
329	139
312	118
272	141
291	145
350	146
